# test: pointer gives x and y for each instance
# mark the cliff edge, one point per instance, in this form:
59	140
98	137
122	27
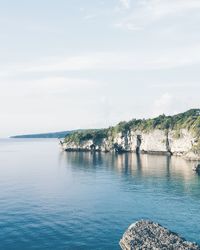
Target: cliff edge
174	135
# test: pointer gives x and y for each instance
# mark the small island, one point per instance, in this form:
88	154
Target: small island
171	135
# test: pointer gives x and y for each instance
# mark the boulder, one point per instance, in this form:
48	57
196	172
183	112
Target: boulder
196	168
149	235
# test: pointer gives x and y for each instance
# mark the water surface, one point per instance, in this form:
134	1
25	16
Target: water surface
51	199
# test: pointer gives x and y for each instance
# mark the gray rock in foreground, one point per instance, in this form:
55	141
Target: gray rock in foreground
149	235
196	168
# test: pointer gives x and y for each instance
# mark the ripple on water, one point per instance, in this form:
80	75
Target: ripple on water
57	200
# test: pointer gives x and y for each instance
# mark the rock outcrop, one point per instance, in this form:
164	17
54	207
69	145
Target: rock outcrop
196	168
161	135
149	235
153	142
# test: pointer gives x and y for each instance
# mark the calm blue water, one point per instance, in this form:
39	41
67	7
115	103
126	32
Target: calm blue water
57	200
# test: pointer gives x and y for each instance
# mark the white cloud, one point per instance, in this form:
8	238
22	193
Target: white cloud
43	86
145	12
135	60
163	105
93	81
125	4
47	104
90	16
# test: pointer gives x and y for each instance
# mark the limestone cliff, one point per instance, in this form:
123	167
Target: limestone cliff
177	135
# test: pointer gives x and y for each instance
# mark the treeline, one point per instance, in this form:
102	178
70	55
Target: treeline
189	120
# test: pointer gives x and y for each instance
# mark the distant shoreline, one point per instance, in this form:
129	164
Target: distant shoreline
55	135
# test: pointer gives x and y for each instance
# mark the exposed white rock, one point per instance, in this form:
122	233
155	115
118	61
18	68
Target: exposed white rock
85	146
192	156
182	144
154	141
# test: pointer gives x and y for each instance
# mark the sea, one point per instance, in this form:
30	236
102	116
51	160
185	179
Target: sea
51	199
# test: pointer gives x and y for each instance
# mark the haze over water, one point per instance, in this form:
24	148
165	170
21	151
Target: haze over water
51	199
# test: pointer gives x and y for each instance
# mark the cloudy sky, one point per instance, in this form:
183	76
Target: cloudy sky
67	64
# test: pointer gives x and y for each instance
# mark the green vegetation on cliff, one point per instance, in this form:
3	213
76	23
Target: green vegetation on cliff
90	134
189	120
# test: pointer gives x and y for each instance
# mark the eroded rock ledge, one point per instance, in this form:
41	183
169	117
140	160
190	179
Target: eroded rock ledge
149	235
177	135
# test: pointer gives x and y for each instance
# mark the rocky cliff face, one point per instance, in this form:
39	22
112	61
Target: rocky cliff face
155	142
175	135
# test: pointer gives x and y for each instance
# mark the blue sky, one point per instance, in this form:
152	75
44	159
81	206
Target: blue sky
92	63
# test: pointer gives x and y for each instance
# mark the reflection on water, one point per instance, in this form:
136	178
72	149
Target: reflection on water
133	164
51	199
173	173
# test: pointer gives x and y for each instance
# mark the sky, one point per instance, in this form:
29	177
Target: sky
70	64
